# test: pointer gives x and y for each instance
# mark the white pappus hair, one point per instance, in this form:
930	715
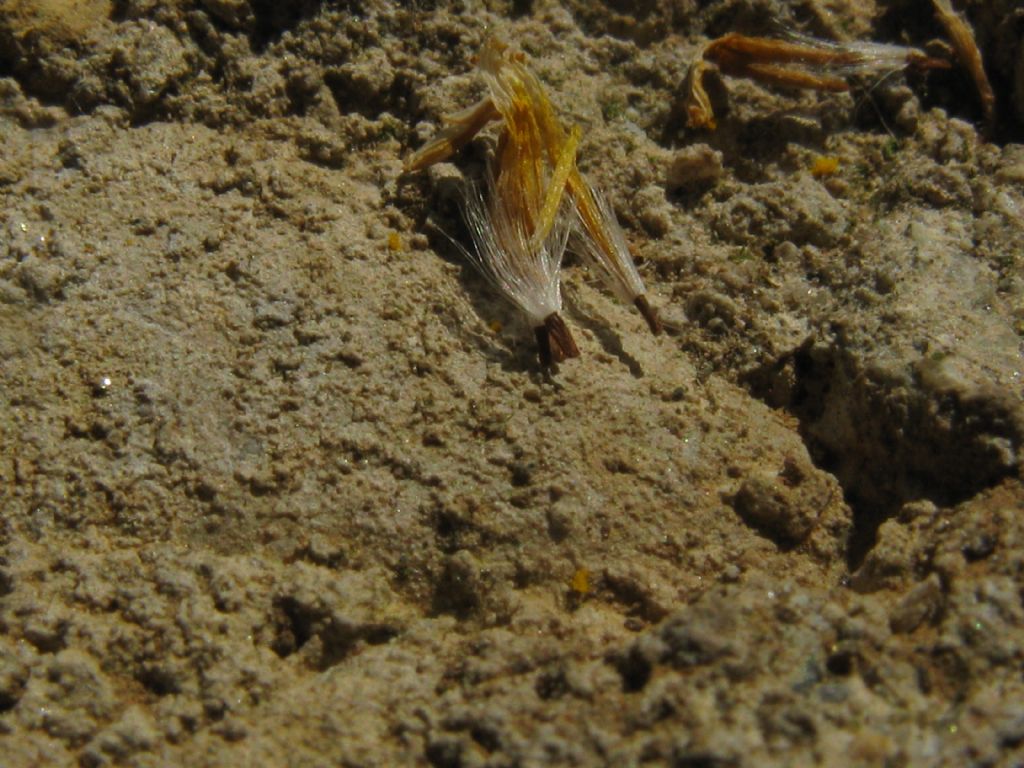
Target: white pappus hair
616	268
861	57
528	276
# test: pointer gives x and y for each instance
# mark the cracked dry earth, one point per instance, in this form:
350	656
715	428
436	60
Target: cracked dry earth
281	484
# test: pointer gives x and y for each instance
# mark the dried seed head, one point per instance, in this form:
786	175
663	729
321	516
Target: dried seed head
602	244
520	230
520	98
796	61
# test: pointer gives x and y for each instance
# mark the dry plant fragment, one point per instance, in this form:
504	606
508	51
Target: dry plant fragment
520	231
699	113
776	62
824	165
967	51
459	130
806	62
511	87
800	62
604	245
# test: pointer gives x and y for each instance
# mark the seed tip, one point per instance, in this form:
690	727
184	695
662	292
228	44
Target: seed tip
650	314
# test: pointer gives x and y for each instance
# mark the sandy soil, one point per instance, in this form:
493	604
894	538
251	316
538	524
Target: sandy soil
281	483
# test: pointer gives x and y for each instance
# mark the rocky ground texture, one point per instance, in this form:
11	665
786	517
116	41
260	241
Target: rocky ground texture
282	485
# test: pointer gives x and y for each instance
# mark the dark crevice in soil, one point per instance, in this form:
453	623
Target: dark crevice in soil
48	89
273	19
299	623
634	669
401	98
890	441
158	680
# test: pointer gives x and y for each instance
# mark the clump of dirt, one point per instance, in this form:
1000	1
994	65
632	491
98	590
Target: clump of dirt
66	21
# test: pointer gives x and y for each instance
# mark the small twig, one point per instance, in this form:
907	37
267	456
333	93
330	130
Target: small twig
962	37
